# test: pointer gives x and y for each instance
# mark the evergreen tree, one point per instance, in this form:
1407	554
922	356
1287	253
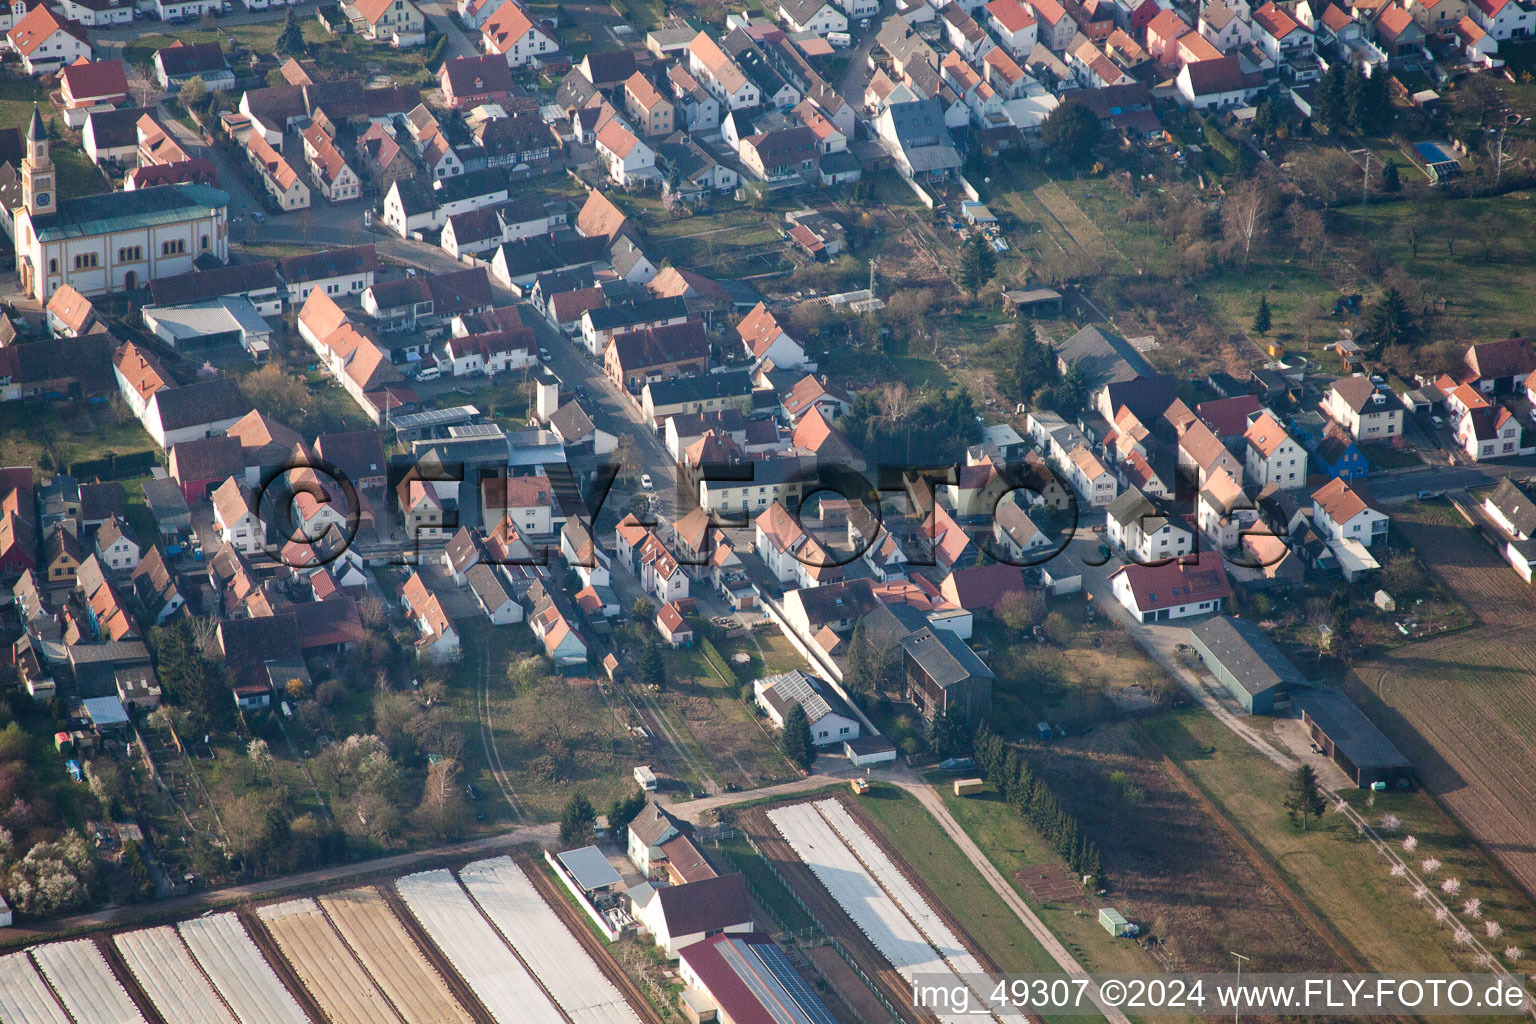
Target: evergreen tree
1264	119
1304	799
1070	393
795	738
1369	106
1261	319
950	734
1391	324
1034	365
1070	132
1391	181
290	40
1332	107
977	264
577	822
624	810
653	668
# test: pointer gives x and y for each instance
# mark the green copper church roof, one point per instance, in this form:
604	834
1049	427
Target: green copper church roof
125	211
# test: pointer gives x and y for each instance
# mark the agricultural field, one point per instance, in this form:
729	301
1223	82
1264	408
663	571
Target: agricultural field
727	732
1374	917
79	975
169	977
234	964
321	959
1462	706
389	955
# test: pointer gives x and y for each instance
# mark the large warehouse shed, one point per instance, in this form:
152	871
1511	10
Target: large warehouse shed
1351	739
1246	662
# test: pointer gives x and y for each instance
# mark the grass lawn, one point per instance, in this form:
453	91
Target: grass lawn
1012	845
68	433
727	734
771	894
556	739
1485	280
16	98
913	833
77	175
1334	870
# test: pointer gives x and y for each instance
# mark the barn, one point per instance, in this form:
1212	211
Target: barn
1246	662
1351	739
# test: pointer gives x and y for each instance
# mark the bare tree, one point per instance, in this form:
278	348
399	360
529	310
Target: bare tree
1309	230
1245	214
893	401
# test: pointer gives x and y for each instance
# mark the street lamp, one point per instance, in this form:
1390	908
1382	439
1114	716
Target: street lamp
1237	1007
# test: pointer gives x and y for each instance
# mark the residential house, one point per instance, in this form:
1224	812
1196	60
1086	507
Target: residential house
766	340
1224	28
1272	455
1340	513
87	87
629	161
1143	530
944	676
471	81
438	641
1013	23
782	154
399	23
1501	19
720	74
46	42
1513	508
1218	83
179	63
1192	585
513	33
278	177
116	546
335	179
832	722
1490	432
818	16
1365	411
647	108
236	518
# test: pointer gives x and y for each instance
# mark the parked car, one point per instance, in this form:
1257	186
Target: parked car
1438	422
427	373
645	480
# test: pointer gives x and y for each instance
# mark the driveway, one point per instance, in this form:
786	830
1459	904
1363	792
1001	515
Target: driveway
459	44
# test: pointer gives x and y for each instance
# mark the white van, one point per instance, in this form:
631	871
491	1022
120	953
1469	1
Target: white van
428	373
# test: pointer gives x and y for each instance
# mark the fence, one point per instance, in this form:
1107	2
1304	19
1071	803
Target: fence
828	939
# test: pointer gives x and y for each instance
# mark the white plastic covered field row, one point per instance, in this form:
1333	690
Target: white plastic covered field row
170	977
476	952
869	906
24	996
85	984
551	952
237	969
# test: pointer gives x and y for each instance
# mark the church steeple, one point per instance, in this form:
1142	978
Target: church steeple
37	170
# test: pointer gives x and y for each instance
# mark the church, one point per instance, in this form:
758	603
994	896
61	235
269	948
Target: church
114	241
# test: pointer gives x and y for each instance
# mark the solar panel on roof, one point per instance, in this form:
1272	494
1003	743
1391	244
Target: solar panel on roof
434	417
776	963
476	430
794	686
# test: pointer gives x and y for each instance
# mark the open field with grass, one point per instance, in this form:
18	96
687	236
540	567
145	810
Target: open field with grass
66	433
1333	870
1474	255
727	732
555	739
1462	706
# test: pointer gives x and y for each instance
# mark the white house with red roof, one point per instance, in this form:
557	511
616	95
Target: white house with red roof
89	86
1279	36
91	13
1055	27
1014	25
1491	432
397	22
47	42
1504	19
1340	513
513	33
1193	585
628	160
1272	455
766	340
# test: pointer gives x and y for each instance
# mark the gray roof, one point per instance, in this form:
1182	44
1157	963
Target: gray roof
652	825
201	319
709	385
105	711
1104	358
1355	735
945	657
205	401
1516	505
1247	653
590	867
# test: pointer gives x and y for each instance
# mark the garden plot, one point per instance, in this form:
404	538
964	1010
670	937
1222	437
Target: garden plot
901	889
24	996
870	907
390	956
85	984
474	949
323	962
551	952
167	974
237	969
